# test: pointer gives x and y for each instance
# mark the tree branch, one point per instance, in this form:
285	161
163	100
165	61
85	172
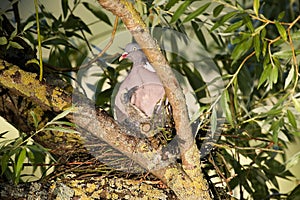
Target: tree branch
196	187
93	120
189	184
140	32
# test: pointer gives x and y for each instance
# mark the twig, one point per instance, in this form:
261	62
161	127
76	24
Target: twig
96	57
105	48
221	175
246	148
293	50
238	70
39	39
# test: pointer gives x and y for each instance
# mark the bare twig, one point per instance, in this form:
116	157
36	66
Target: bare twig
95	58
105	48
293	51
224	146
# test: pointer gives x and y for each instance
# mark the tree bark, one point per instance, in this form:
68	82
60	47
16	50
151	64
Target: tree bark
97	188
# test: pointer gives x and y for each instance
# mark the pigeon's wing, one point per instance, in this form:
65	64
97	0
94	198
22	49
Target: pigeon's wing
147	96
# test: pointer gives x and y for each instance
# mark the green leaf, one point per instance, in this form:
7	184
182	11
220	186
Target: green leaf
13	34
3	40
58	41
62	115
39	153
35	120
291	119
264	42
264	48
281	15
64	123
248	23
171	3
275	130
20	161
32	61
286	54
28	26
233	27
60	129
96	10
30	154
65	6
199	34
281	30
296	133
217	10
245	81
265	75
195	80
196	12
279	42
296	103
274	112
223	19
289	78
256	6
180	10
241	48
275	166
4	162
274	74
257	46
71	34
18	142
75	23
261	28
225	107
103	96
14	45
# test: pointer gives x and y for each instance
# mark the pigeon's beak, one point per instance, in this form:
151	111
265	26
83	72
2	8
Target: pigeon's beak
123	56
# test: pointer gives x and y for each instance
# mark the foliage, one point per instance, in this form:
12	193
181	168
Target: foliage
255	45
24	151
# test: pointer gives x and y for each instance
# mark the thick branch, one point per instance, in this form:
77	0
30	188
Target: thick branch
98	123
138	29
93	120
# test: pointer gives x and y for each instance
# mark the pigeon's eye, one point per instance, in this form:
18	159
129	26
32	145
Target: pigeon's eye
134	48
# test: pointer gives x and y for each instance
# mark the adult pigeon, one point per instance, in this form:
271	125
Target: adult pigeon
140	102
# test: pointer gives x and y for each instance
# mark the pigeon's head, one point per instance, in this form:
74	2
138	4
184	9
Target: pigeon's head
134	53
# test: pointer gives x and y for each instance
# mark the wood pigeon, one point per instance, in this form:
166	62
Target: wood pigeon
140	103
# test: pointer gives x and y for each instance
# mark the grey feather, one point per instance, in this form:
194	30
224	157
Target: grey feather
138	102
